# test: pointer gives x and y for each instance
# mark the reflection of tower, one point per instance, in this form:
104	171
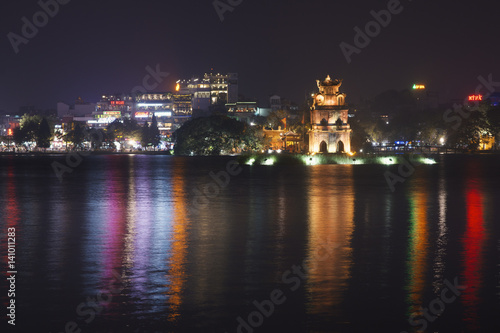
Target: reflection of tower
330	132
331	214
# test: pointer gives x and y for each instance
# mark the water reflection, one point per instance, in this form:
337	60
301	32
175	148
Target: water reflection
188	271
418	246
442	241
143	221
331	212
12	212
137	236
177	261
11	218
473	242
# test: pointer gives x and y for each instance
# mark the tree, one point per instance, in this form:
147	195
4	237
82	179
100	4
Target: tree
30	125
19	136
493	115
96	137
472	128
145	135
154	133
359	138
76	135
44	135
216	135
275	119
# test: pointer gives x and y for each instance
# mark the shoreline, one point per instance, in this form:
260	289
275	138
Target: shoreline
168	153
52	153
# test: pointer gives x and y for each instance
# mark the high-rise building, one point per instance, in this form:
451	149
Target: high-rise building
211	89
330	131
117	104
158	104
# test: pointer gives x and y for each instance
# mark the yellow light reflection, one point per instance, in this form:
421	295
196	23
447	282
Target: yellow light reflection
331	213
418	247
177	261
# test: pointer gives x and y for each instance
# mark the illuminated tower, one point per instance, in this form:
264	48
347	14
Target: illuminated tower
330	131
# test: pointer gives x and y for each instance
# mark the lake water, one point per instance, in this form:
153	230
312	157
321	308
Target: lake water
131	244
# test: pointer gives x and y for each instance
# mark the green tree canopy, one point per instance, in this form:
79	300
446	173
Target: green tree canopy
43	135
472	128
216	135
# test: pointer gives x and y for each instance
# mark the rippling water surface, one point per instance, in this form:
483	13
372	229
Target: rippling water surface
173	244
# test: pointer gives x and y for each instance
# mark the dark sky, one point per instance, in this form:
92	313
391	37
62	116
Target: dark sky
277	46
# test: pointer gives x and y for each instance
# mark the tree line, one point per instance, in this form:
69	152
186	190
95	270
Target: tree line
464	126
40	130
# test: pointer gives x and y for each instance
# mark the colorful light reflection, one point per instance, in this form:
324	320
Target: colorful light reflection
473	243
418	248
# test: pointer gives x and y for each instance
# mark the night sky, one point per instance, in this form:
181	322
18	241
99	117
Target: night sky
277	46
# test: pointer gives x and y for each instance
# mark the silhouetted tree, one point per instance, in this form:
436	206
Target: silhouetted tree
154	133
145	135
19	136
43	135
76	135
472	128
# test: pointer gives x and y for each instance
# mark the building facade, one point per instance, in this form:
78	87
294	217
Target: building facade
330	131
202	93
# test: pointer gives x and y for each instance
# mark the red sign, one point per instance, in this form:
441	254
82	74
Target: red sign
117	103
9	132
475	97
142	114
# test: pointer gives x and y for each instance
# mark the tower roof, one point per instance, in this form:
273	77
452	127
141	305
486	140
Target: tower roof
329	82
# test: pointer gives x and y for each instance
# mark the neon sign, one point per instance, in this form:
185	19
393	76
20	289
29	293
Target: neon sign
9	132
475	98
418	86
163	114
117	103
142	114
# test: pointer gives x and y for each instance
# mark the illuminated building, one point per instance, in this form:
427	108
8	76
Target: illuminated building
223	88
330	131
8	124
486	142
124	103
158	104
282	140
212	89
242	111
182	99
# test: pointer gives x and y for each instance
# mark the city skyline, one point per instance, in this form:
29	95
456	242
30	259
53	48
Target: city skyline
88	49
